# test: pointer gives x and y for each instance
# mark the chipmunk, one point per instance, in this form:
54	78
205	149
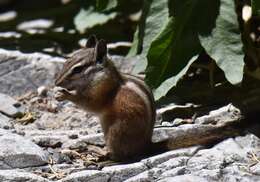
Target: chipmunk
123	102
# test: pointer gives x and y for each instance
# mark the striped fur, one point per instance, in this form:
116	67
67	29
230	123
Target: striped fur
123	102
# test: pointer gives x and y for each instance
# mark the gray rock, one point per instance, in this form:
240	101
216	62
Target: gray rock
158	159
238	173
184	178
174	172
18	152
82	142
67	119
173	163
4	132
19	176
5	122
145	176
21	73
9	106
255	169
249	141
42	91
172	167
223	154
210	175
49	141
123	172
87	175
204	160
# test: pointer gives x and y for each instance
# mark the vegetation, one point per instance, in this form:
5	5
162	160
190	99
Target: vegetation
171	36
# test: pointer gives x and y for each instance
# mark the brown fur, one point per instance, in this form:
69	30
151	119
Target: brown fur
127	116
127	131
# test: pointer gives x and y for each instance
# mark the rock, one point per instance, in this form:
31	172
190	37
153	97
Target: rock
219	115
87	175
184	178
21	73
19	176
82	142
5	122
123	172
67	119
4	132
173	163
73	136
145	176
249	141
210	175
42	91
49	141
238	173
158	159
223	154
172	167
255	169
9	106
18	152
174	172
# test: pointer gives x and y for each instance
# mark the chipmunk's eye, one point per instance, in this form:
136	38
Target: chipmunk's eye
77	70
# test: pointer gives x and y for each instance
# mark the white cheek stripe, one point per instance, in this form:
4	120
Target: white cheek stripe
71	69
133	86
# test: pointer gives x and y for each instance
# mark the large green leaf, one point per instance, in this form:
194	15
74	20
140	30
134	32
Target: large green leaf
174	49
223	43
255	7
134	48
170	82
89	18
106	4
154	18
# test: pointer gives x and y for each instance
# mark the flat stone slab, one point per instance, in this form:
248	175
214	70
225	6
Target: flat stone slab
19	176
125	171
9	106
87	175
184	178
5	122
18	152
21	72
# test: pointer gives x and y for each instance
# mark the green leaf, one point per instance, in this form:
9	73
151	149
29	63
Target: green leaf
173	50
170	82
134	48
157	18
89	18
106	4
255	7
154	18
223	43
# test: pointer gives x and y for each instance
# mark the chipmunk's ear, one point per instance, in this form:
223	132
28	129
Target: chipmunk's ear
101	50
91	42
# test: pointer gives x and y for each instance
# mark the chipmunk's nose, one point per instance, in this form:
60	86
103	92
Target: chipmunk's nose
58	83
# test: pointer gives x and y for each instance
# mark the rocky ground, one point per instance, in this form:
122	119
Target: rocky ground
42	140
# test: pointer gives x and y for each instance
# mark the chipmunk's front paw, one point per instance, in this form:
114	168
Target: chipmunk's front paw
61	94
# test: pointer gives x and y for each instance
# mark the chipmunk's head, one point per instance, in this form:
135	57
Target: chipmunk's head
87	68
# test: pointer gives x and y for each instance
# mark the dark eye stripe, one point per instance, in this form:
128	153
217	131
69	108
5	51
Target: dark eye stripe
77	70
